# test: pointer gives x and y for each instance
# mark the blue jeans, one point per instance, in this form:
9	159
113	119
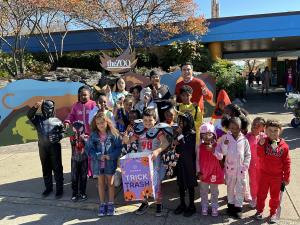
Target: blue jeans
289	88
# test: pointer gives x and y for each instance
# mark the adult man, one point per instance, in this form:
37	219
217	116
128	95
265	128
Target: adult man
266	78
200	90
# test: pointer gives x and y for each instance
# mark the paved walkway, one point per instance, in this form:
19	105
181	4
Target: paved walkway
21	185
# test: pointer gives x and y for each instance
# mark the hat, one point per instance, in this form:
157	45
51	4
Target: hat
207	128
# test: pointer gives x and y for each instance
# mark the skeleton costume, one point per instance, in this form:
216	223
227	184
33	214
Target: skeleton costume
50	131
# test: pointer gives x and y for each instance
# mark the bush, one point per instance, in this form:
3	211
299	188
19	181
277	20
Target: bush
148	60
194	52
228	77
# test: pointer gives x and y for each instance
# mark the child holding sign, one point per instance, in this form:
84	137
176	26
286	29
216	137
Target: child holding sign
104	148
152	140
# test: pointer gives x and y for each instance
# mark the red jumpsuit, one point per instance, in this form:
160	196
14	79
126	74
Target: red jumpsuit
274	169
254	166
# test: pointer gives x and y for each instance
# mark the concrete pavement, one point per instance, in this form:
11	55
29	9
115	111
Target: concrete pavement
21	185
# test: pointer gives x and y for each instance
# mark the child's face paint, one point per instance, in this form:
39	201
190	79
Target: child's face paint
84	96
235	129
273	133
148	122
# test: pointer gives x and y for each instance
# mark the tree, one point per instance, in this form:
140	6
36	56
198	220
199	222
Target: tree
132	21
14	34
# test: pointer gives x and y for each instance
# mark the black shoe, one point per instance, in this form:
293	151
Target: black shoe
83	197
159	210
230	209
47	192
180	209
189	211
142	209
59	193
238	212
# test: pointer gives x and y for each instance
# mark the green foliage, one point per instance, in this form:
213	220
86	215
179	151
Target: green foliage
194	52
229	78
148	60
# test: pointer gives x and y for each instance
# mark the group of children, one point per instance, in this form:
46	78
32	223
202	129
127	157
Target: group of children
216	152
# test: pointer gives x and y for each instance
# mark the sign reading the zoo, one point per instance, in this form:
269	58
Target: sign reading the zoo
137	173
121	64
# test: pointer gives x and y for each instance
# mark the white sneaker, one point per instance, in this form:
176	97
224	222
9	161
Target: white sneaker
214	212
204	211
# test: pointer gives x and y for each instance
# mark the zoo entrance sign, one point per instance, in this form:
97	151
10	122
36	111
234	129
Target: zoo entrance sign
121	64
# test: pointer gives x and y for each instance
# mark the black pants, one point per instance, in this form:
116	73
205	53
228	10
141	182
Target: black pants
79	171
191	191
50	156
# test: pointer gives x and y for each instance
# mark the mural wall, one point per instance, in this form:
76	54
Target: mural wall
17	97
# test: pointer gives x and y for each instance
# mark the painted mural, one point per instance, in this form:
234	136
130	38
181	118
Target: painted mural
16	99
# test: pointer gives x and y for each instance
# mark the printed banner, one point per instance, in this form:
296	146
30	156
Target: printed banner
137	176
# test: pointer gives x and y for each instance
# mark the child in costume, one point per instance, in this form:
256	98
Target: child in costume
211	173
186	165
186	93
79	162
104	147
122	110
153	140
80	112
258	127
50	131
235	147
222	101
275	167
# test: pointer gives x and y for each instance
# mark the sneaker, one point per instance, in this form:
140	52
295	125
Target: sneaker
102	210
74	197
214	212
83	197
189	211
142	209
238	212
230	209
47	192
204	211
272	219
258	216
110	209
159	210
180	209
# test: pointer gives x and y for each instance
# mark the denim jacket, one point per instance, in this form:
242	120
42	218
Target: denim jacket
113	146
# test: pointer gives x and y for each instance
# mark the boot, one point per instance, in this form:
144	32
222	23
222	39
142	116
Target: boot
230	209
238	212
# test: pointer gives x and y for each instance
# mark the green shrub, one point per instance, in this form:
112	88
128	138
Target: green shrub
228	77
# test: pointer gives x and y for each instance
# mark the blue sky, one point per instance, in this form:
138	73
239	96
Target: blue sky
248	7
